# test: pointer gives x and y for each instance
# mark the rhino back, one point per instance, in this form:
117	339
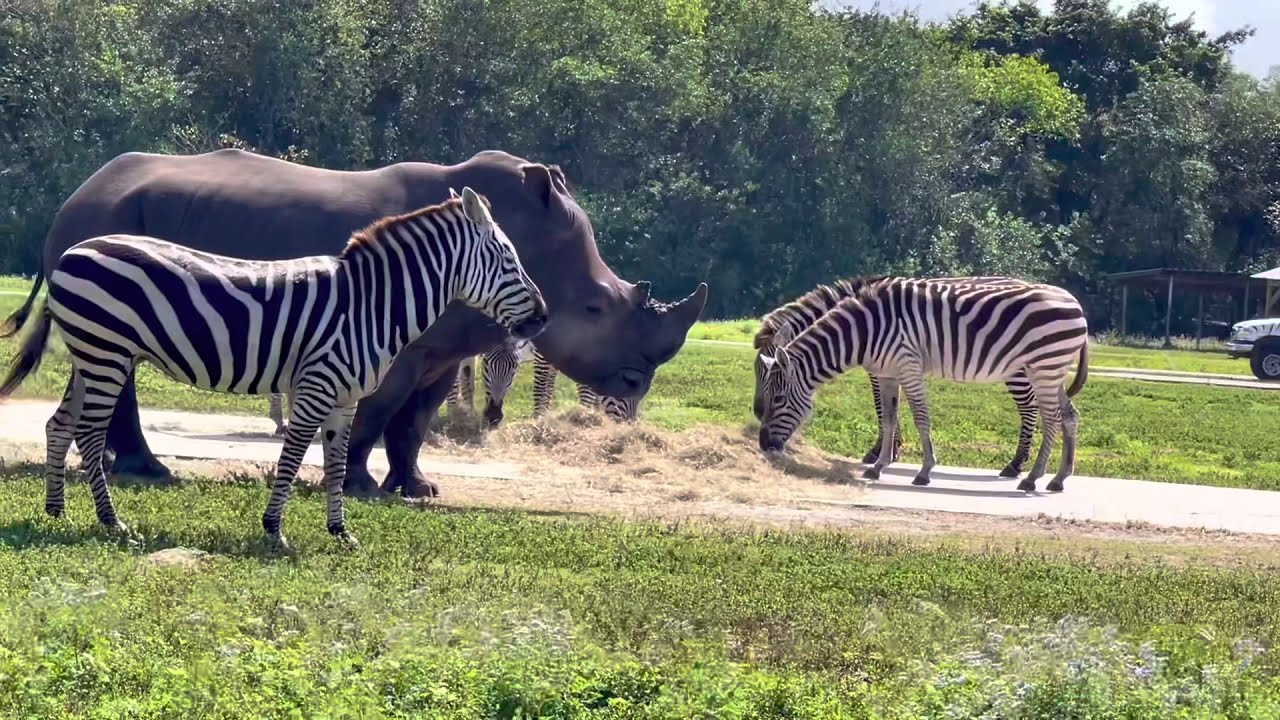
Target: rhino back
228	202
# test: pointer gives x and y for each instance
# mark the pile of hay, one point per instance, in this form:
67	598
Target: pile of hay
587	440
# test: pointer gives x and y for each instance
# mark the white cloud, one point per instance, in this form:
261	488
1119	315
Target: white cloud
1257	55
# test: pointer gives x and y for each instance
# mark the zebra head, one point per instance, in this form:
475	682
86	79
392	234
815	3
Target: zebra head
788	400
494	282
764	355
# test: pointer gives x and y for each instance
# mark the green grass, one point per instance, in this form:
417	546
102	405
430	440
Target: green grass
1151	431
486	614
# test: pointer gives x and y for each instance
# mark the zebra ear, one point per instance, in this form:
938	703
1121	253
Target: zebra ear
782	360
453	194
783	335
474	207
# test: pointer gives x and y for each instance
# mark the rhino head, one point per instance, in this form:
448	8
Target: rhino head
603	331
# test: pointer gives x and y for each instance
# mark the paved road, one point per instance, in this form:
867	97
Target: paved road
961	490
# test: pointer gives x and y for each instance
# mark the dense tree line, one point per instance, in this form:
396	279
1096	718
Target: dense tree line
761	145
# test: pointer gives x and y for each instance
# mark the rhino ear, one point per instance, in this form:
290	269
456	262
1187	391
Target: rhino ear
474	207
541	188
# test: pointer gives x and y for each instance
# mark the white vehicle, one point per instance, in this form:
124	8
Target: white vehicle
1259	340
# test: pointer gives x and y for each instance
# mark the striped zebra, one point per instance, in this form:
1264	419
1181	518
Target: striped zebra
323	329
780	326
544	394
500	365
902	329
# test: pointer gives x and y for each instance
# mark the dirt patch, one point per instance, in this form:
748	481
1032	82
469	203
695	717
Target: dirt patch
577	461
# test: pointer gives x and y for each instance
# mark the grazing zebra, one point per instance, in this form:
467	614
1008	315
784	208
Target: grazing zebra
323	329
500	366
780	326
544	394
903	329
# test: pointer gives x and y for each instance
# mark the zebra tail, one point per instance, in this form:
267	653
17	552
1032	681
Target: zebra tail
14	322
1082	371
30	354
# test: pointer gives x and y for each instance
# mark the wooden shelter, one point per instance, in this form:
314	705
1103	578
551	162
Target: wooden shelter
1272	278
1202	282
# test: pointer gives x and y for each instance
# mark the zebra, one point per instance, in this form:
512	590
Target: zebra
501	363
781	325
323	329
902	329
544	393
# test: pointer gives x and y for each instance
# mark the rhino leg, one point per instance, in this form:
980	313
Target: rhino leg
124	438
405	434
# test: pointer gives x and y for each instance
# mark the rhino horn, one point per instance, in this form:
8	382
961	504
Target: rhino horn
684	313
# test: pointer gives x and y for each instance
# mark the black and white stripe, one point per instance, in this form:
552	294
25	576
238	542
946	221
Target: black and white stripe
324	330
902	330
544	394
500	367
781	325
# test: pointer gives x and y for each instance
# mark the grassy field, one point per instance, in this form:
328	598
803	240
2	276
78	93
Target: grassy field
504	615
1175	433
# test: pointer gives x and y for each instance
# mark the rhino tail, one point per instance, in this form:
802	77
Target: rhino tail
14	322
1082	371
30	354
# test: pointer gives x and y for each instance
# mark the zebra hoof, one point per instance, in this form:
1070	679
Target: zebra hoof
871	473
1055	485
279	544
1027	485
872	455
347	539
53	511
1011	471
281	430
920	480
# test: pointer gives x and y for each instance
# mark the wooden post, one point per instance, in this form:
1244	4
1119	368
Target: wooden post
1168	314
1200	321
1124	312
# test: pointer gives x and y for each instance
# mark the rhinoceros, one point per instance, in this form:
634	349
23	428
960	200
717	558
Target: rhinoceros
603	332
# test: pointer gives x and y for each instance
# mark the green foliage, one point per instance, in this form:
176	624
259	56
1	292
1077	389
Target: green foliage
490	614
1026	90
762	146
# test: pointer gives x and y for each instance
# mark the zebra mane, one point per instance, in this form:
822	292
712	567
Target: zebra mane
376	232
820	299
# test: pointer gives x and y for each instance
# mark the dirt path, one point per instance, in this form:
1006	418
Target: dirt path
577	463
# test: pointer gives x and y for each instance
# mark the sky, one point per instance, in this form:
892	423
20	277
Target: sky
1257	55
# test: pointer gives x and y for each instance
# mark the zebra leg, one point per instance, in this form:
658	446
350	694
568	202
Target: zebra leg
59	433
1070	436
1025	398
914	387
888	424
1047	398
100	391
544	385
874	452
306	413
336	432
276	412
587	398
